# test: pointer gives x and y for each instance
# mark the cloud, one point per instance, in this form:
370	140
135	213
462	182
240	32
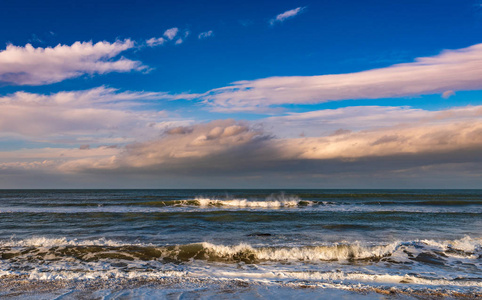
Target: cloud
182	39
410	140
358	118
286	15
448	94
181	146
171	33
452	70
96	114
36	66
205	35
328	121
232	147
195	142
418	145
152	42
50	160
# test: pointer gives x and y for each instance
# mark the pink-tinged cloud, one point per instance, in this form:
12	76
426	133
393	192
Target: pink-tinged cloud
425	146
286	15
452	70
49	160
171	33
229	147
36	66
99	114
205	35
329	122
169	36
152	42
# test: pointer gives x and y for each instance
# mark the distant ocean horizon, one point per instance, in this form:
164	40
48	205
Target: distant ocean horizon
241	243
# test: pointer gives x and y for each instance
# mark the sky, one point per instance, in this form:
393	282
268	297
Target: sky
241	94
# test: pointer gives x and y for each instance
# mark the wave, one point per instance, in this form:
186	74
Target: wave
421	251
273	202
421	265
346	277
271	284
334	279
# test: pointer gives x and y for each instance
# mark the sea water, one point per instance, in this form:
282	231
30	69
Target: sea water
130	244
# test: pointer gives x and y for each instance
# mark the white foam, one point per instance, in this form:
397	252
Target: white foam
246	203
466	244
213	204
99	274
338	276
307	265
273	202
317	253
467	247
220	273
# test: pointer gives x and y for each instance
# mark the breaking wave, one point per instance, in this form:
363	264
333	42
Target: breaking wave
336	265
273	202
423	251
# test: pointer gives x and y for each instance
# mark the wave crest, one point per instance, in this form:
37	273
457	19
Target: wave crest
421	251
270	202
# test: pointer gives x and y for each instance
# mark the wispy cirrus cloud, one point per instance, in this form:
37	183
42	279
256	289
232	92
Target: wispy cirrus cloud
37	66
346	119
446	73
170	34
286	15
358	118
152	42
183	37
205	34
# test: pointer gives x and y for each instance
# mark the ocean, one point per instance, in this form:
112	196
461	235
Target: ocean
240	244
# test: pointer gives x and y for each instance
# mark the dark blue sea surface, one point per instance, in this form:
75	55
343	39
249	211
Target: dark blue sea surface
408	240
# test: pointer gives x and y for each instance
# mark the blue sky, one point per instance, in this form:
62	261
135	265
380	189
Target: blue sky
239	92
328	37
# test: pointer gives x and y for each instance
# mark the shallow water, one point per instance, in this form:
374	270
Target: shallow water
371	242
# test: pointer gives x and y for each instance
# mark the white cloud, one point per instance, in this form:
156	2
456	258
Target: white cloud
331	122
52	159
171	33
356	118
36	66
286	15
205	35
99	114
452	70
182	39
152	42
